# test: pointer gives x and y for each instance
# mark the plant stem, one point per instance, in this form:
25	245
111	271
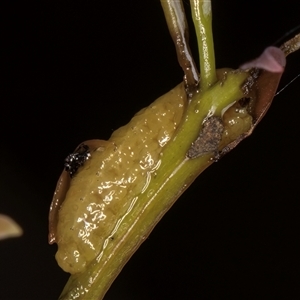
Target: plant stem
177	24
291	45
202	17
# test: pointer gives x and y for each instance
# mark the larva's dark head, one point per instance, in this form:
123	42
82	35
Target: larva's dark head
72	163
76	159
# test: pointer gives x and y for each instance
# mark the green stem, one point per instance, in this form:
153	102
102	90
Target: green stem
202	106
202	17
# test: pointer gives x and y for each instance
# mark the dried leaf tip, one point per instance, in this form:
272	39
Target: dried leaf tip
9	228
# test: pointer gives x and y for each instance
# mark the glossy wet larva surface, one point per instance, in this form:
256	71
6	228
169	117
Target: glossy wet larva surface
102	190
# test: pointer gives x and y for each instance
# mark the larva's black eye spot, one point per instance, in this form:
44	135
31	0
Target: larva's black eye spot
77	159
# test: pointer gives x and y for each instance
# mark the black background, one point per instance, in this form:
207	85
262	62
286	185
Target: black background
77	70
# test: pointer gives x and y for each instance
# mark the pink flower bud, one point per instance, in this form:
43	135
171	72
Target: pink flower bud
272	60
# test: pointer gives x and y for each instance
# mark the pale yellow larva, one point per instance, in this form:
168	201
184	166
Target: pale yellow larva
101	191
86	208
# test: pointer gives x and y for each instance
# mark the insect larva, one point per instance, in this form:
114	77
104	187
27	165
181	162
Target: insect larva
85	210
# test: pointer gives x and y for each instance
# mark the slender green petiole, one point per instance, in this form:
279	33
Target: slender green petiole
202	17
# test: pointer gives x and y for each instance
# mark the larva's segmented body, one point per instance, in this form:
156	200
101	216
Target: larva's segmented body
102	190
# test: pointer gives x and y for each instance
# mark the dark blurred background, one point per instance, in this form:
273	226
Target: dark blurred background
77	70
